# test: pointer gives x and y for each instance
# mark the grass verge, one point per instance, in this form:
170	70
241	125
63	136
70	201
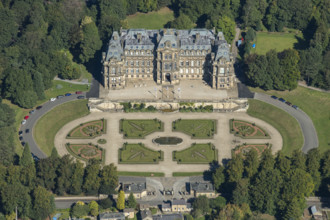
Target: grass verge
282	121
151	20
196	154
315	104
174	174
195	128
139	154
48	125
146	174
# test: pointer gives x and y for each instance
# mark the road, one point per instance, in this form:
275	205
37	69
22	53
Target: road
306	124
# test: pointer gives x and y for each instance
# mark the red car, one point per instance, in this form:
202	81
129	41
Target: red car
26	117
79	92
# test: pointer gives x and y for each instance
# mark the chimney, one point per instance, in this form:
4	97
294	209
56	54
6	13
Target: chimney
197	36
138	36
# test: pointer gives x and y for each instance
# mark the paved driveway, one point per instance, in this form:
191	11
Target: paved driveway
306	124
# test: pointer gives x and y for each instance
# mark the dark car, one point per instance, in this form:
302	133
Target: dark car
27	130
32	111
288	103
20	138
274	97
282	100
81	97
67	94
79	92
295	107
20	132
39	107
35	157
23	143
60	96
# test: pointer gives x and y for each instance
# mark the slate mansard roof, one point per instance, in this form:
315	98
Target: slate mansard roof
194	39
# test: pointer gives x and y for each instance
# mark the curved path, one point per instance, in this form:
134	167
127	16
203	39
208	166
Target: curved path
306	124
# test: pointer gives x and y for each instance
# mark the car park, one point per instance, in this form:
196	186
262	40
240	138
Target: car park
39	107
26	117
23	122
27	130
79	92
81	97
32	111
282	100
274	97
20	132
288	103
67	94
295	107
60	96
52	99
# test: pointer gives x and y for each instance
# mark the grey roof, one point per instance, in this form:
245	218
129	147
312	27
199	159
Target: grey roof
166	205
136	187
145	213
167	217
141	39
112	215
179	202
202	186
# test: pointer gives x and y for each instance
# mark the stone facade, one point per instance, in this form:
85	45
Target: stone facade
168	56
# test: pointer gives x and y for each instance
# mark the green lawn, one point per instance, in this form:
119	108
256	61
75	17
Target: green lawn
139	128
151	20
146	174
48	125
266	41
197	153
316	105
195	128
282	121
138	153
187	174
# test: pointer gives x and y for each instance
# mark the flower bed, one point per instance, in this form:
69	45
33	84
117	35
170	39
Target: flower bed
86	152
246	129
88	130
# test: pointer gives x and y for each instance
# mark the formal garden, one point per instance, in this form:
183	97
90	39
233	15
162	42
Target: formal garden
197	153
203	129
247	147
246	129
86	152
139	154
139	128
88	130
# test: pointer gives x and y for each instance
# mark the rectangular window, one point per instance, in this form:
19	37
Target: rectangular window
132	63
137	63
132	70
187	63
192	63
181	63
181	70
137	70
148	63
192	70
142	63
187	71
170	56
222	70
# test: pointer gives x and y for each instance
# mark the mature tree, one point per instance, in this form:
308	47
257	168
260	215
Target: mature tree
267	160
121	200
46	172
64	174
109	179
77	178
131	202
182	22
257	71
251	163
79	210
289	61
26	158
38	85
235	168
292	211
7	121
91	183
218	177
231	211
283	164
313	166
93	208
147	5
218	203
8	26
106	203
226	25
91	40
241	192
28	170
274	70
202	203
112	8
298	159
43	203
252	12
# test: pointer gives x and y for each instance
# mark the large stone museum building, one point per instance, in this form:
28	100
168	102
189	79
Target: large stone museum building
168	56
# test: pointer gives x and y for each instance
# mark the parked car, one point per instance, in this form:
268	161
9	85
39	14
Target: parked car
295	107
52	99
81	97
274	97
32	111
67	94
288	103
26	117
27	130
23	143
60	96
20	132
23	122
282	100
79	92
35	157
39	107
20	138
